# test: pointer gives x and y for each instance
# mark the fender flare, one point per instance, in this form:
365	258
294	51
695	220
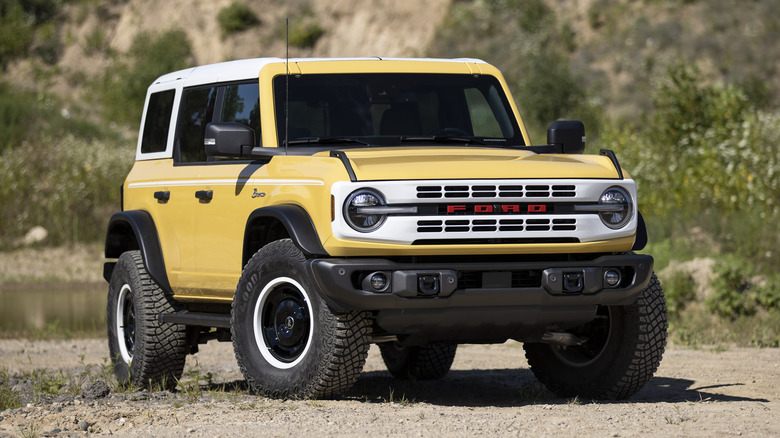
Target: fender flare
641	233
296	221
131	230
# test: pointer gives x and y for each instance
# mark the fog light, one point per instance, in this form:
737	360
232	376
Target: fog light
378	281
612	277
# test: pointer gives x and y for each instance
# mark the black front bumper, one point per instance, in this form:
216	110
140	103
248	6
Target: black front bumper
480	302
481	284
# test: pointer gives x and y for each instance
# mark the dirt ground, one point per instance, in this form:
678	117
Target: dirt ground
490	391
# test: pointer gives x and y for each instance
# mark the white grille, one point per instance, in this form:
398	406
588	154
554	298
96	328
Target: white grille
501	191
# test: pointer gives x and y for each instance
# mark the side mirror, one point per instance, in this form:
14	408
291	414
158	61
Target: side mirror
228	139
568	135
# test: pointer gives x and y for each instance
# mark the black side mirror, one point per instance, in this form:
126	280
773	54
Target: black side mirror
568	135
228	139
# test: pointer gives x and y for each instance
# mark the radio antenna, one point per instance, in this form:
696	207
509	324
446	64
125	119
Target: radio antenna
287	83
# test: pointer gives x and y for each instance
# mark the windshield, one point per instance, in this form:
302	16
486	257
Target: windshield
395	108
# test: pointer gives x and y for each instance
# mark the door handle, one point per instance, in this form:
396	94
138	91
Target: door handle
162	196
204	195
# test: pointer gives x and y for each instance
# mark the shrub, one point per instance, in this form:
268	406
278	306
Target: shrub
732	294
305	34
680	290
16	32
49	48
18	113
235	18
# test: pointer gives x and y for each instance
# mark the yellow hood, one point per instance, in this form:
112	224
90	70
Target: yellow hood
398	163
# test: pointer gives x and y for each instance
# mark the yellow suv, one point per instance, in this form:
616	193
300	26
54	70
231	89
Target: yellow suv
306	208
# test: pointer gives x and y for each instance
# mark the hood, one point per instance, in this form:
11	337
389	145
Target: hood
399	163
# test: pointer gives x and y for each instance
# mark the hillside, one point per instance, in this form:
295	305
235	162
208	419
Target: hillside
92	35
615	50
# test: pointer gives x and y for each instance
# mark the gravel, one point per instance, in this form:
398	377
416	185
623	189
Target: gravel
701	392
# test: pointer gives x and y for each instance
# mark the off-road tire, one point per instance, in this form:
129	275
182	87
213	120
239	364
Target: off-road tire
287	341
624	348
428	362
144	351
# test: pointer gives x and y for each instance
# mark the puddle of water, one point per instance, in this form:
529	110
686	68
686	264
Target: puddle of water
53	311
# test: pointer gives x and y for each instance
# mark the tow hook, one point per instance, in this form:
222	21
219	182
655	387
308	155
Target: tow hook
563	339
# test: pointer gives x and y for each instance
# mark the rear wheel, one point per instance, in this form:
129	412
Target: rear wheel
426	362
144	351
287	341
623	348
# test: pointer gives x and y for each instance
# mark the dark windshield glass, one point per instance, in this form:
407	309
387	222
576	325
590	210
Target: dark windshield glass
382	106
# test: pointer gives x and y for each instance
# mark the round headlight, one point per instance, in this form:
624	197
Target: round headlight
618	207
355	210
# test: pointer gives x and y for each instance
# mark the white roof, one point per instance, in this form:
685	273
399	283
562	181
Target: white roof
250	68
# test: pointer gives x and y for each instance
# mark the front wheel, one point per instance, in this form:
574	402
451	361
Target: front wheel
623	348
287	341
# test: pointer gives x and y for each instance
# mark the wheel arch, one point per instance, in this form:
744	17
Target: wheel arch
275	222
135	230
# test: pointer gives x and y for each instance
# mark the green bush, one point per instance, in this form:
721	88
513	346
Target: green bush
18	113
49	49
732	293
305	34
150	56
18	23
235	18
680	290
768	293
16	31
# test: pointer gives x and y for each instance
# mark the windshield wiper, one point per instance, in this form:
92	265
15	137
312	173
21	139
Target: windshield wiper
440	139
327	140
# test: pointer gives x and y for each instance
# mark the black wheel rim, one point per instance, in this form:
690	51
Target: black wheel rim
597	334
285	322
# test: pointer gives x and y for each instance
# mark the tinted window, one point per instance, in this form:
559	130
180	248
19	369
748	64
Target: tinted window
242	105
197	109
158	119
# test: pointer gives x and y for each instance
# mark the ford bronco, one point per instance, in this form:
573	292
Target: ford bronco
304	209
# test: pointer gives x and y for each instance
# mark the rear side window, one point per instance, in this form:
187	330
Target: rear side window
197	111
157	122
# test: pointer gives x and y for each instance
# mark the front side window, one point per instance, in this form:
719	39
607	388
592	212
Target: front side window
157	122
241	103
381	107
215	103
